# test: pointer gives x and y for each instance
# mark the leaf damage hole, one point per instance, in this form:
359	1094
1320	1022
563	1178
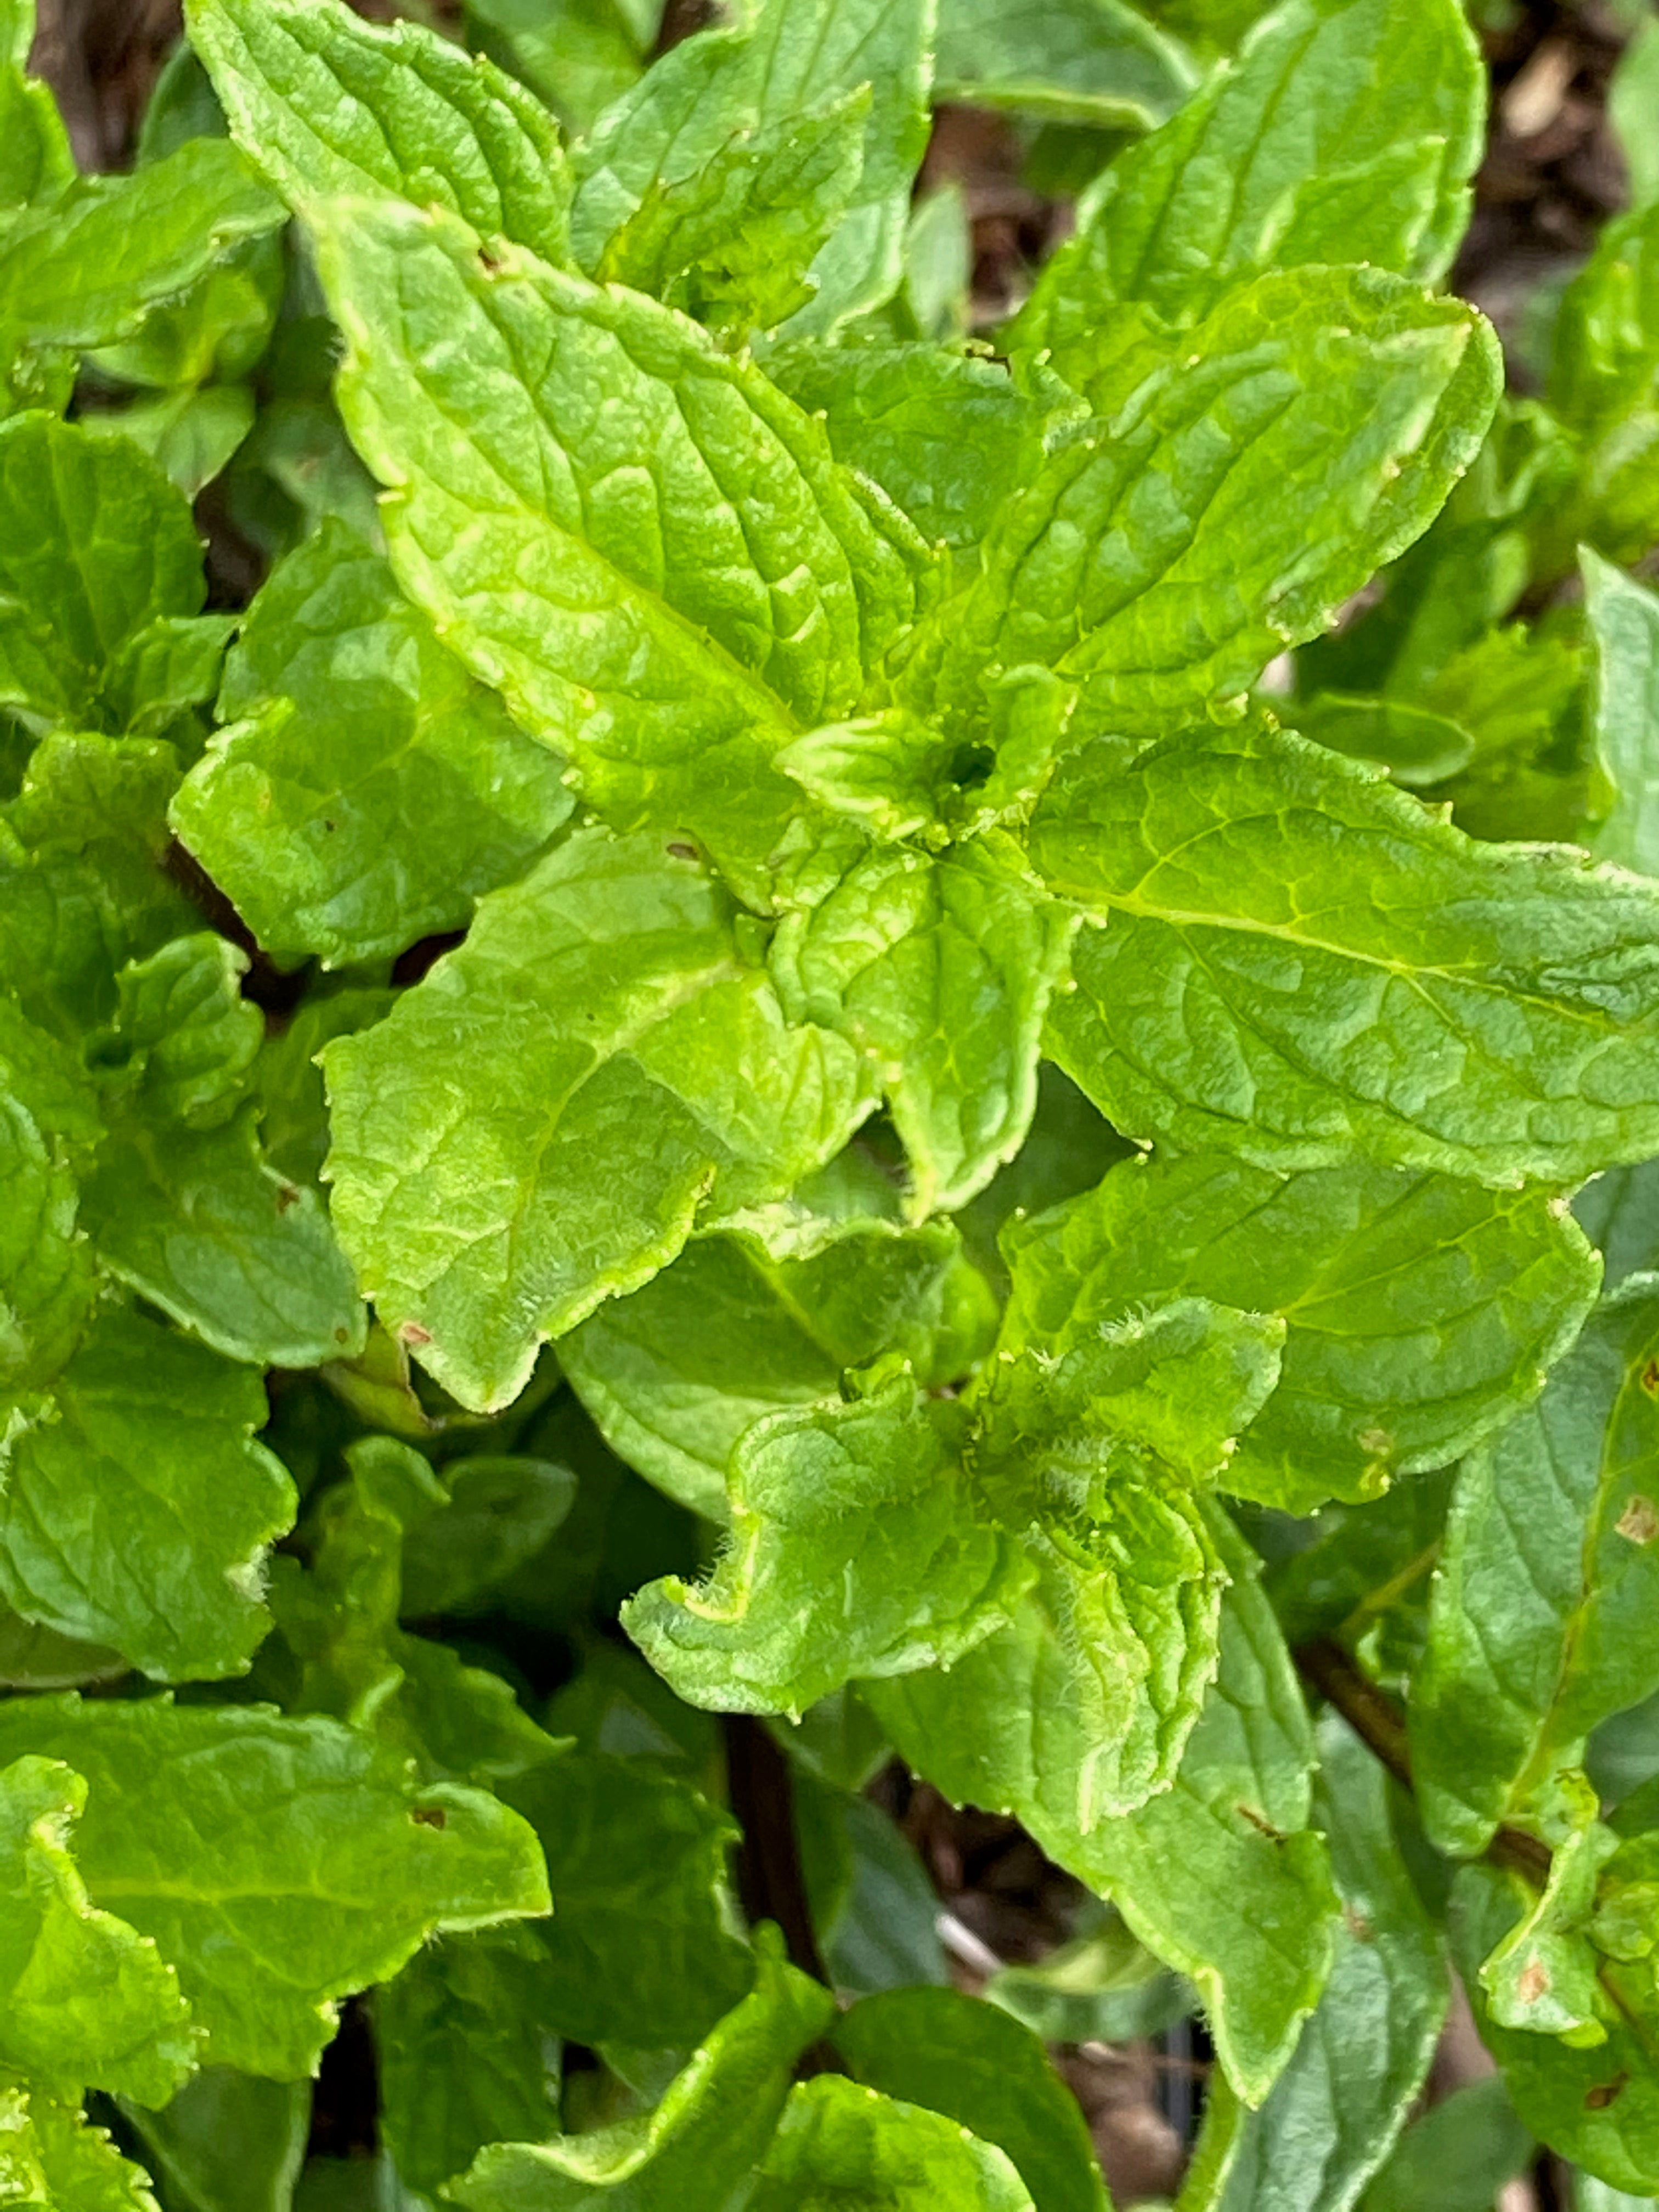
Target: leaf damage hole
1606	2092
679	850
428	1816
287	1196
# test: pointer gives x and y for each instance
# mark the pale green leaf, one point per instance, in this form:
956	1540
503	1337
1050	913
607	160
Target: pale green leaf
1219	1875
870	1501
136	1509
794	56
354	733
838	2145
1624	619
1334	2112
278	1864
328	106
693	2152
1604	385
939	972
1424	1001
956	2054
665	589
675	1373
227	2142
184	1037
1542	1617
1345	130
463	2054
1419	1311
95	545
52	2156
47	1282
36	160
642	1948
89	2004
1229	489
1418	748
1098	62
1631	101
602	1002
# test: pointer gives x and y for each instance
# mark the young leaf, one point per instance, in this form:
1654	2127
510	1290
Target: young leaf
52	2156
957	2056
463	2054
317	814
1228	490
1439	1301
870	1499
693	2152
88	2003
87	270
1250	995
328	106
773	77
939	971
1098	62
278	1864
641	1948
666	589
1541	1619
136	1509
1624	619
1219	1875
838	2145
1346	131
675	1374
94	546
1335	2110
603	1001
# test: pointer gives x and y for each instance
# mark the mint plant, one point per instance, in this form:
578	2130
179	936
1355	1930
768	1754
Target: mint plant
948	1046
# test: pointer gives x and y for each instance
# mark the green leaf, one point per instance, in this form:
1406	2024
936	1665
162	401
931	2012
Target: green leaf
86	271
36	162
228	2143
1334	2112
1624	619
55	2158
838	2145
95	545
731	243
939	972
1619	1212
1219	1875
1418	748
642	1948
1604	385
464	2056
1630	97
278	1864
1346	131
288	1081
675	1374
665	590
1458	2156
690	2154
873	1905
191	435
184	1037
354	733
136	1509
499	1513
960	2057
1541	1620
577	55
83	881
772	77
944	435
1097	62
871	1500
88	2003
1598	2104
328	106
602	1001
1298	437
1420	1312
1248	993
47	1281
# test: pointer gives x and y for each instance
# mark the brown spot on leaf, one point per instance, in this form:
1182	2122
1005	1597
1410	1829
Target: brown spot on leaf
1534	1983
286	1196
1260	1821
679	850
1650	1378
412	1333
1606	2092
1639	1521
428	1816
1357	1924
